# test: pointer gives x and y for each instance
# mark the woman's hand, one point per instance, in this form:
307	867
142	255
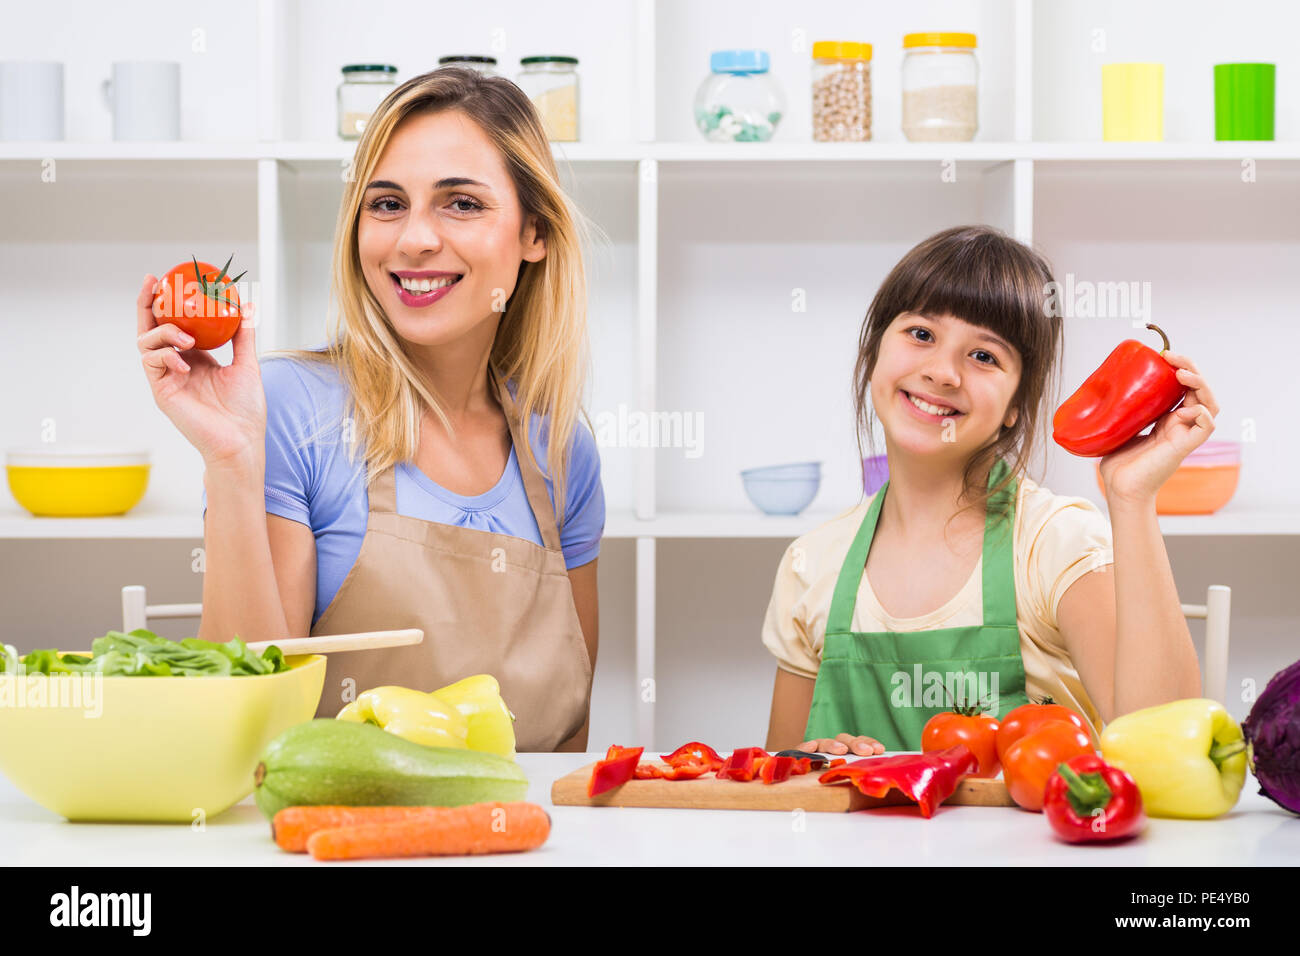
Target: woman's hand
221	410
1136	471
844	743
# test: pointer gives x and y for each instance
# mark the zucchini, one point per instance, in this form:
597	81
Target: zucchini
340	763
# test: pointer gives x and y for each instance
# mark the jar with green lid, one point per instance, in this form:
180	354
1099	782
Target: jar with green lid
940	80
487	65
841	91
551	82
364	87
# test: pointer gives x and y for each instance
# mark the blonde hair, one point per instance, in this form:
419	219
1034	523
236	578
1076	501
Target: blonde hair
541	343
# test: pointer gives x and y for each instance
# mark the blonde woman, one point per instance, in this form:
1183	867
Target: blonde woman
427	467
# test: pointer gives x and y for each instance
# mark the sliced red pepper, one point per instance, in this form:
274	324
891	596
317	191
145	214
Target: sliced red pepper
742	764
928	778
694	752
838	762
618	767
685	771
802	765
776	769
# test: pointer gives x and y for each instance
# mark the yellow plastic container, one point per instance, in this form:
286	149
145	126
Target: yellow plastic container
77	481
147	749
1133	101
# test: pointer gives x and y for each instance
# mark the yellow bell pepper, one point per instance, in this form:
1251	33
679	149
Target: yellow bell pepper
423	718
1187	757
491	724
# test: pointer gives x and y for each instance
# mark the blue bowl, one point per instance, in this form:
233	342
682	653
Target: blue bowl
781	496
805	469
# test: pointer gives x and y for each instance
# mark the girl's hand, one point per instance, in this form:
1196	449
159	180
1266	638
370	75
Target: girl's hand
1135	472
844	743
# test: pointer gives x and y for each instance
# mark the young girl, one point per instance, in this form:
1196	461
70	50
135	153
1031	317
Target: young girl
962	580
457	368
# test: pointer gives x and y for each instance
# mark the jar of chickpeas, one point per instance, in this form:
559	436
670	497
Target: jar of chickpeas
841	91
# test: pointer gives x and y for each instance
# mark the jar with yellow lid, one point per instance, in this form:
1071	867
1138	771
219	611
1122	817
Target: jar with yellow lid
841	91
940	87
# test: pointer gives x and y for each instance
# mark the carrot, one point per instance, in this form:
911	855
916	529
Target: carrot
293	825
443	831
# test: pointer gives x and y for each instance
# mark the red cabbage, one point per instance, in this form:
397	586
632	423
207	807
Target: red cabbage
1273	737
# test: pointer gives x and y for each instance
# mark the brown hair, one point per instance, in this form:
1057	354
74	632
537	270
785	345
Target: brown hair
541	342
982	276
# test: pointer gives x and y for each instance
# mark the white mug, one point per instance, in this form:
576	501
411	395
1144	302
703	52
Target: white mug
145	97
31	100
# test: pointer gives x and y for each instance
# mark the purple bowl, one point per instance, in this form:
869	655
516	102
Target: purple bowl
875	472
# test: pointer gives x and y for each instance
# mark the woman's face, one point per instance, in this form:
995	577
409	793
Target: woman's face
944	361
442	206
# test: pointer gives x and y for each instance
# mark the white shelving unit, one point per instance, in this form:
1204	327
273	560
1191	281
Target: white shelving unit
703	244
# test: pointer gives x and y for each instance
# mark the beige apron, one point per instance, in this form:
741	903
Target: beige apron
488	604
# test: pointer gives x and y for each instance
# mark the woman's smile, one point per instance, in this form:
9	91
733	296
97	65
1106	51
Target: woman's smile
418	293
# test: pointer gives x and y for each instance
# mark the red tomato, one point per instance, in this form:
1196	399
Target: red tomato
1028	717
977	731
200	299
1034	757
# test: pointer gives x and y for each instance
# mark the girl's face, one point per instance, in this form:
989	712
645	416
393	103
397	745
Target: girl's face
943	361
442	212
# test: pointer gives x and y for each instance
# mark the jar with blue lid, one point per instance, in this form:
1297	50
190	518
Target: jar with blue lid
739	102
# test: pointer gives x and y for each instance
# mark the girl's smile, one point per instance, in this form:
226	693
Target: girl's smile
911	402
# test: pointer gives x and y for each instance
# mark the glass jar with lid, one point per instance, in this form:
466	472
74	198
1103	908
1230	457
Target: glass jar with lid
486	65
940	81
841	91
739	101
364	87
551	82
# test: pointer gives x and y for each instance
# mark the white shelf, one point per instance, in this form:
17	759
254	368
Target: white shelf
686	152
619	523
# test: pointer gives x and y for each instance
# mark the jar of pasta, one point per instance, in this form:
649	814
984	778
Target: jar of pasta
841	91
940	79
364	87
551	82
487	65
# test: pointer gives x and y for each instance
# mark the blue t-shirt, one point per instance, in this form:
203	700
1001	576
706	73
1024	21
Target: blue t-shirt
309	479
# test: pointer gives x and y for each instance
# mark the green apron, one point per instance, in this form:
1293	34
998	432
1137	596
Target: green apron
886	685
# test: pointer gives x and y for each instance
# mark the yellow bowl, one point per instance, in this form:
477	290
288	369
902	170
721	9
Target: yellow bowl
147	749
66	481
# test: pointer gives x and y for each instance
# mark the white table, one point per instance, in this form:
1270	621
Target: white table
1256	832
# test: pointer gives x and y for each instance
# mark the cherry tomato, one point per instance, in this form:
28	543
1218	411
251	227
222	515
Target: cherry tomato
1032	759
1027	717
977	731
201	300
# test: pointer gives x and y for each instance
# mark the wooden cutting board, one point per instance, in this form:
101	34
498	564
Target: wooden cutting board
797	793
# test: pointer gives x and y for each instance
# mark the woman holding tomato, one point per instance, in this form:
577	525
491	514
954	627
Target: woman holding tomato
394	478
961	564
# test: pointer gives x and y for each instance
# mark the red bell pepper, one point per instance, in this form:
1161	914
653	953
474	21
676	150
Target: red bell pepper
618	767
776	769
1089	801
1131	389
928	778
743	764
694	752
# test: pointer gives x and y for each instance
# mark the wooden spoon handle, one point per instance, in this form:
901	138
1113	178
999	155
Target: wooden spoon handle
335	643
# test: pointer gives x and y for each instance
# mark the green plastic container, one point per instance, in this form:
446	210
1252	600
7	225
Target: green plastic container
1243	100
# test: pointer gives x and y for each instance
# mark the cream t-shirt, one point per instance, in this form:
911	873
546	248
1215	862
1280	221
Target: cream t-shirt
1056	539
